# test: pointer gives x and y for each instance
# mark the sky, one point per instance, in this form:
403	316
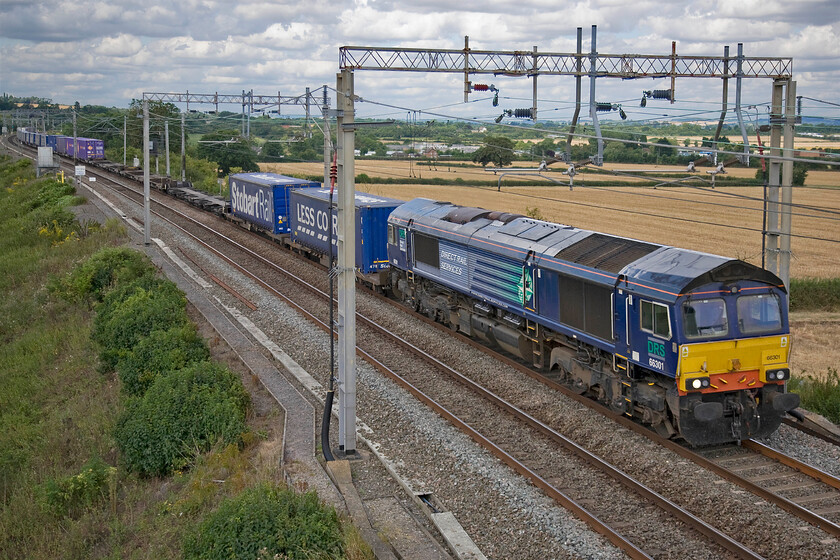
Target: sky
110	52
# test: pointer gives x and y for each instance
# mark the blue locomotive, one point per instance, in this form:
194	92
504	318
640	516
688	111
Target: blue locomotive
694	344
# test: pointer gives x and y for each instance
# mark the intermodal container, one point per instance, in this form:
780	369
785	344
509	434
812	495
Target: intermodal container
65	145
262	199
310	223
90	148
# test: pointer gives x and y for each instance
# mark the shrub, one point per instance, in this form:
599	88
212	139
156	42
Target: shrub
101	272
131	312
64	496
265	521
179	416
820	395
159	353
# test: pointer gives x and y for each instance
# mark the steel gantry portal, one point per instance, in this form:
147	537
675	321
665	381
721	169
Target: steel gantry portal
531	64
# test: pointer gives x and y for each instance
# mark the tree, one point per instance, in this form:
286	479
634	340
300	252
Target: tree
497	150
272	150
159	112
228	149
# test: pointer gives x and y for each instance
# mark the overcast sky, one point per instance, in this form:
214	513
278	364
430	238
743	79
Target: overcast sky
108	52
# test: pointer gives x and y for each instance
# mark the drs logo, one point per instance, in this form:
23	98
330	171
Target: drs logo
656	348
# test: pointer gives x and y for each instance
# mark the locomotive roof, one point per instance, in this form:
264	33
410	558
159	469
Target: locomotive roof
651	269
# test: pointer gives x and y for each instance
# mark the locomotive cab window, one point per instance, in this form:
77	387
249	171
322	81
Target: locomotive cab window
655	318
705	318
392	235
759	313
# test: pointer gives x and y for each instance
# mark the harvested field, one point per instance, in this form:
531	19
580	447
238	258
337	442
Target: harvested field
725	221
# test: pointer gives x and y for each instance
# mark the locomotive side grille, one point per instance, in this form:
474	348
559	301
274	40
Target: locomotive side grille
606	252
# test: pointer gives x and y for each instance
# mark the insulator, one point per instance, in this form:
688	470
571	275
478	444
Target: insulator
496	100
603	107
480	87
333	172
522	113
661	94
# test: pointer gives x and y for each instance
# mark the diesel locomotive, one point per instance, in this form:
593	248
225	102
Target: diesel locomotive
694	344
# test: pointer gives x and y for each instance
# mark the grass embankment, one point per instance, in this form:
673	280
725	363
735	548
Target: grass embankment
117	437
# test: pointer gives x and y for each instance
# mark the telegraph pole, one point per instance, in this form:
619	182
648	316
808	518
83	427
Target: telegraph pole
346	265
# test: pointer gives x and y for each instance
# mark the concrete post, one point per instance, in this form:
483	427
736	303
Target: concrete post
346	265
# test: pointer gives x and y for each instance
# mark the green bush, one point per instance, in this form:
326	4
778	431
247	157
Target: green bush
133	311
268	522
65	496
181	415
159	353
101	272
815	294
820	395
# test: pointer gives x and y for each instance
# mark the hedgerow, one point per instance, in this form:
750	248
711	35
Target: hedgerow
267	521
106	268
161	352
182	414
133	311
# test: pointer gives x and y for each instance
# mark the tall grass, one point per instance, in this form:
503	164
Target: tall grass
819	394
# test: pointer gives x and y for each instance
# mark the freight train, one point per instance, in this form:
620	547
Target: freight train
694	344
87	149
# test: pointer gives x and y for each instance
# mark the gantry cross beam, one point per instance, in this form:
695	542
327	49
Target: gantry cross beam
530	63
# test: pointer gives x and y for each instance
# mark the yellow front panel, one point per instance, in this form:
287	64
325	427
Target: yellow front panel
731	356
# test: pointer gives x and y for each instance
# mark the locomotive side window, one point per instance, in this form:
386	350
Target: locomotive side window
655	319
392	236
426	250
705	318
759	313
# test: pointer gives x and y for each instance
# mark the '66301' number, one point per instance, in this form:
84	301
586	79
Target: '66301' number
656	364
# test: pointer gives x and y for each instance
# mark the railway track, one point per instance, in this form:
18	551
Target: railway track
594	504
542	475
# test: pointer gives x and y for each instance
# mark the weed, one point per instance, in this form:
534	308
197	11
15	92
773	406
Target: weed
819	394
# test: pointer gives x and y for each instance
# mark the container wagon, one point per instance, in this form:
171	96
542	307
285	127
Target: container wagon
310	223
262	199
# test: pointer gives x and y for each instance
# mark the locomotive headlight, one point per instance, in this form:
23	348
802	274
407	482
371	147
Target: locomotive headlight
697	383
778	374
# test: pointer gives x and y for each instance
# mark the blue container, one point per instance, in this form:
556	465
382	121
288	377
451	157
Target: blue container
310	225
262	199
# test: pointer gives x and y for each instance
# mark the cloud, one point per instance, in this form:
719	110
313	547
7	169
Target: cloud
114	49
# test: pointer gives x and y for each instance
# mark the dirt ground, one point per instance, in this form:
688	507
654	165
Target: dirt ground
726	221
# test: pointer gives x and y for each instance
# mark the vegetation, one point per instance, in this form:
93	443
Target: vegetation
268	522
65	490
819	394
815	294
497	150
184	413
